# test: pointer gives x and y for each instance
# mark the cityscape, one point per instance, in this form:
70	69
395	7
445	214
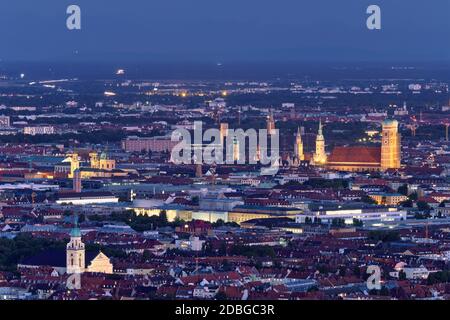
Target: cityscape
89	187
198	154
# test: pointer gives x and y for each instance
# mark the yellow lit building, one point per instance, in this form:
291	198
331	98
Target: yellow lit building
390	146
99	166
388	199
361	158
244	213
320	157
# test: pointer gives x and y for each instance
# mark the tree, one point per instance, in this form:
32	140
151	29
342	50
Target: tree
195	200
384	236
384	291
423	206
368	200
413	196
81	218
443	203
163	216
338	222
407	203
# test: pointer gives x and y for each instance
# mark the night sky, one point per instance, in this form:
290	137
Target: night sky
222	31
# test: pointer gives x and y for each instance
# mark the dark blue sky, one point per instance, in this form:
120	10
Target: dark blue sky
228	30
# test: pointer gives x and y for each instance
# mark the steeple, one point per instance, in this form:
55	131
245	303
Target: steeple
320	157
298	147
236	155
75	251
270	123
75	232
320	133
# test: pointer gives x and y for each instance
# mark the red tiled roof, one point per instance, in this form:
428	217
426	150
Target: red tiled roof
355	154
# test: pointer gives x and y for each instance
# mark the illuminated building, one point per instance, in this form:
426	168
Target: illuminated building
361	158
248	212
372	214
74	163
99	167
320	157
83	198
298	148
236	155
77	181
270	124
32	131
223	132
390	146
388	199
75	252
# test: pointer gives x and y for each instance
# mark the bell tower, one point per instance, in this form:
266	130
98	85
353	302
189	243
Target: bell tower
299	146
390	145
320	156
270	124
75	252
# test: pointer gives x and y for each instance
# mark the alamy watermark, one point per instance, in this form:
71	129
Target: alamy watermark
73	22
374	280
229	146
73	282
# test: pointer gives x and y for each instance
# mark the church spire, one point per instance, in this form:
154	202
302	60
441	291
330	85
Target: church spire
299	146
75	251
320	156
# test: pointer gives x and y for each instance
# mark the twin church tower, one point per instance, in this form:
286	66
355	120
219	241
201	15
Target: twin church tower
355	158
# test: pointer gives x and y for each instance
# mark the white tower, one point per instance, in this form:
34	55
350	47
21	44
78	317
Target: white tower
299	146
75	252
320	156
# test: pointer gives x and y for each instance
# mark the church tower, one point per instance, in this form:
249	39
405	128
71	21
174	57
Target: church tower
390	145
270	124
77	181
74	164
320	156
236	155
299	146
75	252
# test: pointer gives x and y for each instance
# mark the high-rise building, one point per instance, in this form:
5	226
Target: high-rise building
390	145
